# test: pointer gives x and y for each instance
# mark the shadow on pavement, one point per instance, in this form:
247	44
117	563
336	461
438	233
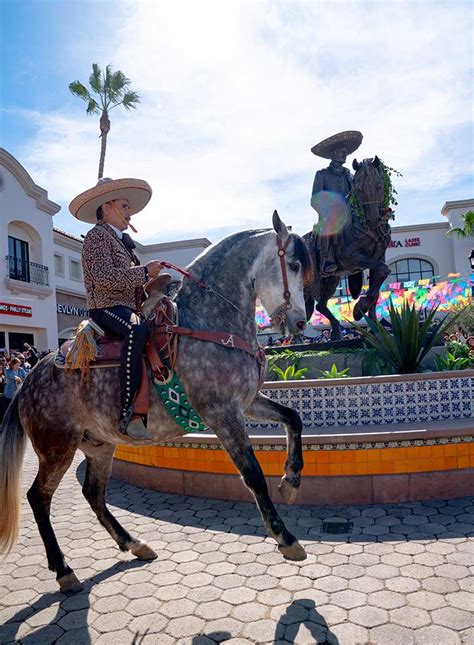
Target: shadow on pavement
77	604
427	520
303	612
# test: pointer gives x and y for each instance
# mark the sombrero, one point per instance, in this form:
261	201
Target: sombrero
350	139
85	205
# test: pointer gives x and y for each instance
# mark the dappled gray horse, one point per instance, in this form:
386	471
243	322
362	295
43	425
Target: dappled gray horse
60	412
361	244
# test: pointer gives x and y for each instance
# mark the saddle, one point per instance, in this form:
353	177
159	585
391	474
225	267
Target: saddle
92	348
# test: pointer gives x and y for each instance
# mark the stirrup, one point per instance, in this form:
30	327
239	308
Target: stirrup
133	426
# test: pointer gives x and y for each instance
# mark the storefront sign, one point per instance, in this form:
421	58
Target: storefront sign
15	310
409	241
71	310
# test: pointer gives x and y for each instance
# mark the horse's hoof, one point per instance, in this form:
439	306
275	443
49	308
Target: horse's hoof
293	552
287	491
70	583
143	552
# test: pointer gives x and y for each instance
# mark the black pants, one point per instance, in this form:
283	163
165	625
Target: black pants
123	322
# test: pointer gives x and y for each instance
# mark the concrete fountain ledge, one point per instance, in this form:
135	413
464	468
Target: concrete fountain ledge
366	440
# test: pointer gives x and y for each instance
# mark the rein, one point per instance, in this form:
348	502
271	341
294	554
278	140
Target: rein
278	315
225	339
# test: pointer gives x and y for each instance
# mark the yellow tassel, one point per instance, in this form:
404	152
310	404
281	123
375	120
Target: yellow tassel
84	348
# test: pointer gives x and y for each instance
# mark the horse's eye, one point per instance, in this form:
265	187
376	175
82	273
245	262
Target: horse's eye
294	266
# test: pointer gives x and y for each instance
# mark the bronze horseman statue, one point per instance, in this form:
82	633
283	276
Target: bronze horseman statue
352	231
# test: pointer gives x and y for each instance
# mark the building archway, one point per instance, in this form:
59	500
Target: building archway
411	269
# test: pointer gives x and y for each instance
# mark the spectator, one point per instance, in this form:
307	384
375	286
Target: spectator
14	377
32	354
2	378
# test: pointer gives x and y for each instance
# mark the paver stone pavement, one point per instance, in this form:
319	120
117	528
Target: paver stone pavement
218	578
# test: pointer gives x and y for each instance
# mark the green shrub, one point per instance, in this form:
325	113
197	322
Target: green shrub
334	373
290	374
410	339
451	362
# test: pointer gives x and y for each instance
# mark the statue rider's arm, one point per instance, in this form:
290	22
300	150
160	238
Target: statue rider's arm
318	186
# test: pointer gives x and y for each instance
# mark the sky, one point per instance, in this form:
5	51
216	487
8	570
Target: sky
233	96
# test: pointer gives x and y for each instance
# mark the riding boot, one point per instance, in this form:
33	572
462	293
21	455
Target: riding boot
123	322
132	426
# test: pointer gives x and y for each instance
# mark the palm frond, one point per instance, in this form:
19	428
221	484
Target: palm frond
130	100
79	90
95	79
119	81
93	107
459	232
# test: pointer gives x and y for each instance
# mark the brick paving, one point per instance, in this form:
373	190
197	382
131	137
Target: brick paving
402	575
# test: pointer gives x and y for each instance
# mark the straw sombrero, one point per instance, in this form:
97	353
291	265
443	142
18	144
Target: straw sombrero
350	139
85	205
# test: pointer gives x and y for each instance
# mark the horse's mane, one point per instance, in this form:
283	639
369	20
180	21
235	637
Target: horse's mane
300	250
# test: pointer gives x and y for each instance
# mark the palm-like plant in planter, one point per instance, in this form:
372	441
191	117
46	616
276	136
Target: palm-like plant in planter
410	339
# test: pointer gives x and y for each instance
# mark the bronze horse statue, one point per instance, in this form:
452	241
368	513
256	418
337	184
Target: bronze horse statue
61	412
360	244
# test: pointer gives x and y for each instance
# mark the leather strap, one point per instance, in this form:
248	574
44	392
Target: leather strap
281	255
218	337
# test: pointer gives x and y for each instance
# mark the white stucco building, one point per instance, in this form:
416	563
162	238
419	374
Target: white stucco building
42	297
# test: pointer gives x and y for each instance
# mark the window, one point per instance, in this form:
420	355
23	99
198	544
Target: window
75	270
18	259
410	269
59	265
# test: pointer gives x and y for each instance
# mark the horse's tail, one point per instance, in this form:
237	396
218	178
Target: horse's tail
355	284
12	449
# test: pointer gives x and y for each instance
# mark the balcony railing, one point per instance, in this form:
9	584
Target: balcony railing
18	269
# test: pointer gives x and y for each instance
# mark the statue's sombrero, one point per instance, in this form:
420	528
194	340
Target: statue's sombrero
85	205
350	139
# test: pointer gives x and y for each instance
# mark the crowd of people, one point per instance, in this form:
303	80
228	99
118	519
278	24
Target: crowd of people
460	335
14	368
301	339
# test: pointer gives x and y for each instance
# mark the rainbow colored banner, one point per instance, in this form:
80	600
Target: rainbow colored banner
447	294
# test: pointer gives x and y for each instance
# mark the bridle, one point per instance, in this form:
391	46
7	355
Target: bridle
167	328
277	317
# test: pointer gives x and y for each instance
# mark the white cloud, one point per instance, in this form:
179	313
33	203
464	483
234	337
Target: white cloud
234	94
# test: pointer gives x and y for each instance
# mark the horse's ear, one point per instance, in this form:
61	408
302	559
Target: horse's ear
279	226
376	162
355	165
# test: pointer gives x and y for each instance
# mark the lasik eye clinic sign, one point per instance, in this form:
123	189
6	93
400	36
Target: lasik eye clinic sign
15	310
71	310
409	242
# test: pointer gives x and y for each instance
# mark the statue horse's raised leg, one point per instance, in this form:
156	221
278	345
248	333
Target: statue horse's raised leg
328	287
264	409
378	272
99	466
233	436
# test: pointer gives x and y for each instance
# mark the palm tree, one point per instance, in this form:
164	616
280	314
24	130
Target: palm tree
467	229
112	90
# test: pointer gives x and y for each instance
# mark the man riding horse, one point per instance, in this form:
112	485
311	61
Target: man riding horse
112	273
329	182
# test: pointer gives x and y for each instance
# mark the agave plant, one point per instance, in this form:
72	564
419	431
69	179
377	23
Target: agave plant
411	336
